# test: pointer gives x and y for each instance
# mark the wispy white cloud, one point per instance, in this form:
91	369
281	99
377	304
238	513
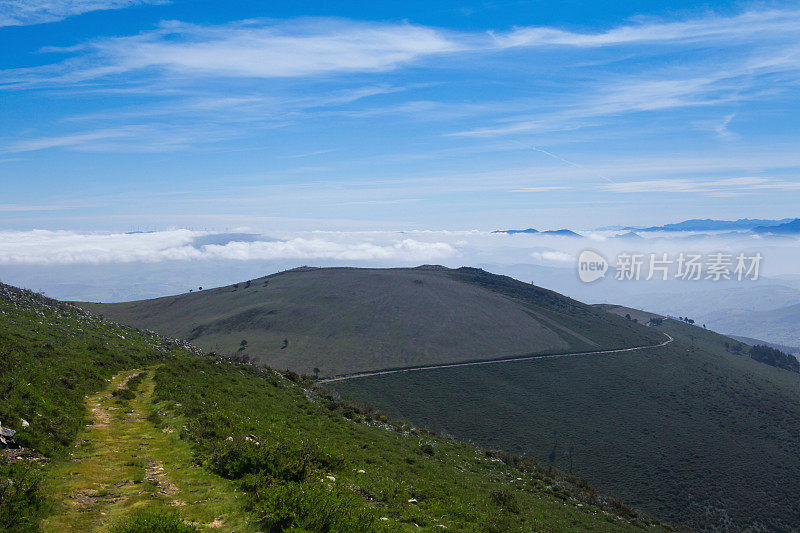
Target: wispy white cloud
658	91
22	208
726	187
308	154
748	25
543	188
176	54
190	120
247	49
26	12
321	46
73	140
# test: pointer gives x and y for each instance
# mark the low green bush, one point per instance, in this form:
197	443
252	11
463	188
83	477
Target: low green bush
21	503
293	506
153	521
124	394
237	458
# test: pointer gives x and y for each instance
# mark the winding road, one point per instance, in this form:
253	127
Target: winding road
489	362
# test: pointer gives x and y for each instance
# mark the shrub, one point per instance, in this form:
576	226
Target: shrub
124	394
135	381
236	459
153	521
311	507
504	499
427	449
21	503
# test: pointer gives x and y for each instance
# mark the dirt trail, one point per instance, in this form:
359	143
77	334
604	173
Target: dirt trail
122	462
490	362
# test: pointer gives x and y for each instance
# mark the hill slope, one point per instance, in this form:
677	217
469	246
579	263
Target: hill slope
689	432
343	320
121	422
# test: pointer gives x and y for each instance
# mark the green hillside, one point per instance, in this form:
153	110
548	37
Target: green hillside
689	432
342	320
129	432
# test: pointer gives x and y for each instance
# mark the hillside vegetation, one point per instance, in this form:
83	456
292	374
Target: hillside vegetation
342	320
690	432
130	432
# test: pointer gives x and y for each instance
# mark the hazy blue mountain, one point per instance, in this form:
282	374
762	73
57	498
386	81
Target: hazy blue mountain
631	235
515	231
562	233
791	227
708	224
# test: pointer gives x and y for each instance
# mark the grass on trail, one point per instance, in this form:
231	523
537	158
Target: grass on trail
53	355
123	464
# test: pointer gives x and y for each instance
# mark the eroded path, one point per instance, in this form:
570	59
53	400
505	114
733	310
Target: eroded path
122	463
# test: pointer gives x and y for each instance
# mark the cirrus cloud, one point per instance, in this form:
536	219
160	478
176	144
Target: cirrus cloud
26	12
727	186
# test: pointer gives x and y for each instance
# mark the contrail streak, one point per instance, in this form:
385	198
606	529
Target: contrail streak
576	165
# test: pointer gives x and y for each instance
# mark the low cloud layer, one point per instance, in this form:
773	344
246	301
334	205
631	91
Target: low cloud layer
388	248
68	248
128	266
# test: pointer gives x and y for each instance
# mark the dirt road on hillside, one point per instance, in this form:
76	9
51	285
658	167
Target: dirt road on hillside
489	362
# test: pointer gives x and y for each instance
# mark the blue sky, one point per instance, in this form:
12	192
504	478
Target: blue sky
120	115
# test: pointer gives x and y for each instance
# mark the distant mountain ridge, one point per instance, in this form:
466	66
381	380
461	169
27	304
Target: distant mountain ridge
708	224
562	232
791	227
756	225
515	231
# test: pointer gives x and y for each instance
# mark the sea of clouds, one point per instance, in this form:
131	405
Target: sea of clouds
112	266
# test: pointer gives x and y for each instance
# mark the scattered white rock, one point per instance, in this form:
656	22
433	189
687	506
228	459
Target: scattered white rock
24	422
360	471
331	478
412	500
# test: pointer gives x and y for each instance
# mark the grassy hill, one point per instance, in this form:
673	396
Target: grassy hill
130	432
689	432
343	320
